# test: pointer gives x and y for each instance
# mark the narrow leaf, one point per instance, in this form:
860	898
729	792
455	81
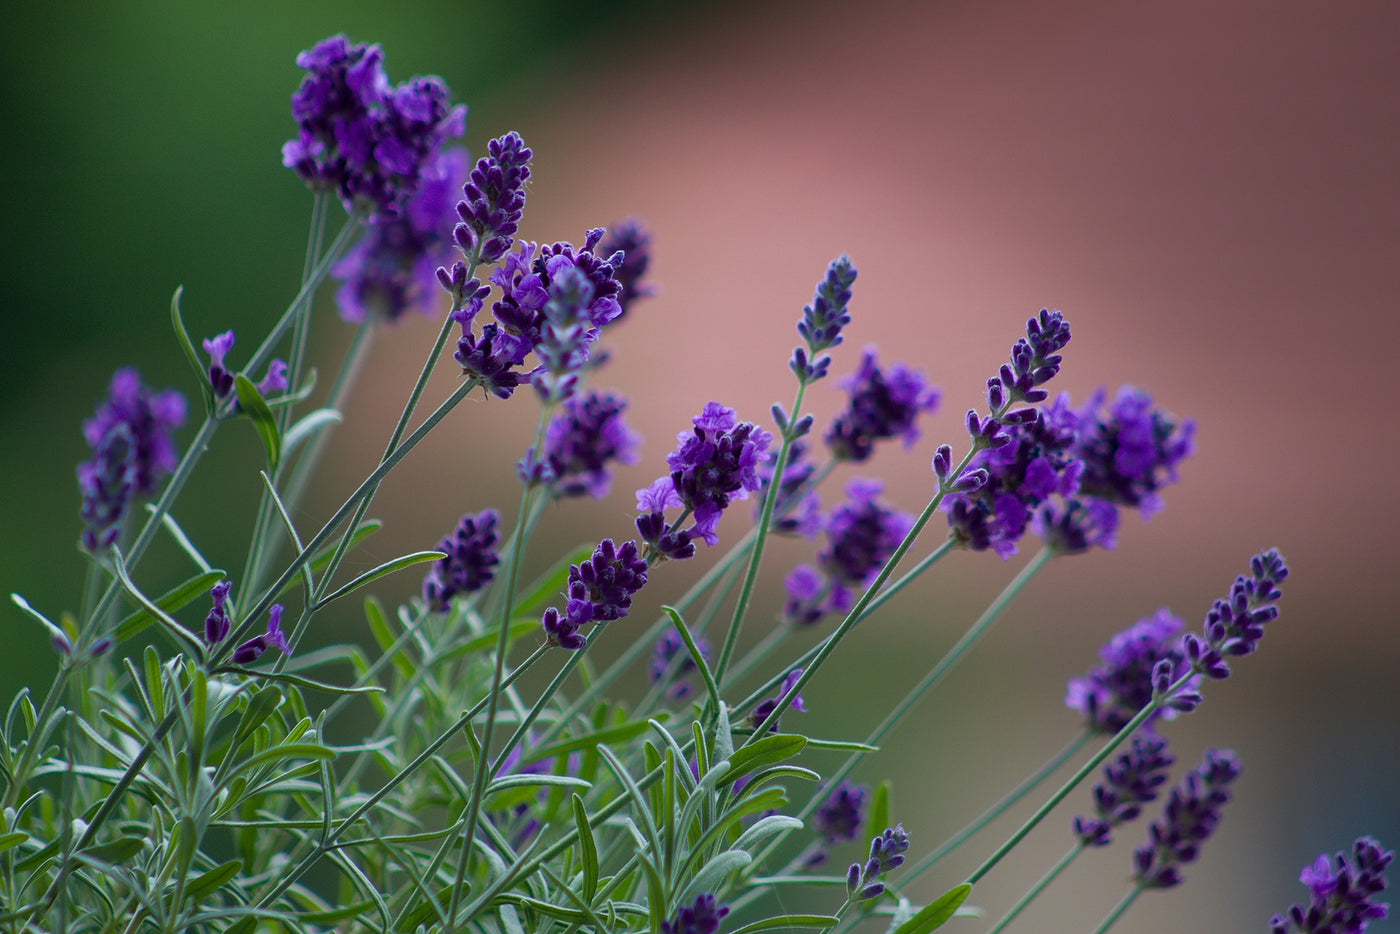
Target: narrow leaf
385	569
308	427
182	337
789	922
712	875
879	815
767	751
588	850
213	880
935	914
299	681
173	600
255	407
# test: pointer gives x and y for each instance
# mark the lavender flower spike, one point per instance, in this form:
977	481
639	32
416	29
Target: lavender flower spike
823	320
703	917
581	441
883	405
841	816
1343	893
1113	693
470	563
107	483
600	590
633	240
1128	783
1235	625
253	649
886	853
494	200
1131	453
151	417
715	463
1190	817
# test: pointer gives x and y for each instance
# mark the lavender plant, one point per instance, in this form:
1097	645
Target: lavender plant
173	778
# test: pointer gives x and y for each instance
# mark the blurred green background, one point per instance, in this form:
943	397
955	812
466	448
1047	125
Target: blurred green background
1207	191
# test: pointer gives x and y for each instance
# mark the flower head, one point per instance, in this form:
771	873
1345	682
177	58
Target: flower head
1235	624
581	441
600	590
715	463
1343	892
493	200
108	485
1131	452
391	270
357	135
886	853
253	649
634	241
703	917
823	320
1129	782
840	817
151	418
1190	817
470	562
1113	693
884	404
221	379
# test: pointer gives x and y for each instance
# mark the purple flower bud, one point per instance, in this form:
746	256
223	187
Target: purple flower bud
470	562
766	708
494	199
253	649
823	320
883	405
1234	625
713	464
703	917
218	623
220	379
840	817
599	590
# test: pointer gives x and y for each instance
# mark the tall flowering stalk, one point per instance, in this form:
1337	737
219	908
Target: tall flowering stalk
476	763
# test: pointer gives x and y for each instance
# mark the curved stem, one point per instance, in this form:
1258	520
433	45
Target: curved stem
1118	910
1039	887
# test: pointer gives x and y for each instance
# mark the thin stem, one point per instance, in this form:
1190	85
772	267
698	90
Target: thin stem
1118	910
1039	887
770	503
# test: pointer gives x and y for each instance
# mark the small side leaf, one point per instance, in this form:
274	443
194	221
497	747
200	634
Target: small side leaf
308	427
790	922
385	569
255	407
588	850
879	817
173	600
182	337
764	752
935	914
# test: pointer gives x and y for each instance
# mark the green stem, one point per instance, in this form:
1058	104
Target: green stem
770	503
1118	910
1039	887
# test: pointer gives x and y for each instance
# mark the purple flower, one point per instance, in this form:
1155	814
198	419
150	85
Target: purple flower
600	590
665	540
1035	359
1113	693
564	336
359	136
633	239
714	464
823	320
840	817
886	853
391	270
218	623
883	405
861	534
1034	461
108	484
494	200
671	662
807	592
579	444
252	650
792	515
1132	452
470	563
766	708
1343	892
1191	815
1235	625
151	418
221	378
701	918
1129	782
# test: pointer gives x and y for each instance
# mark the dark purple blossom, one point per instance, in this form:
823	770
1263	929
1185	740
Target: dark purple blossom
883	405
1113	693
600	590
221	378
1190	817
253	649
1343	892
841	816
150	416
470	563
671	662
1073	526
1131	452
493	200
715	463
357	135
807	592
1129	782
391	270
664	539
1034	462
823	320
766	708
218	623
886	853
1235	624
703	917
861	533
633	239
562	347
797	512
108	483
581	441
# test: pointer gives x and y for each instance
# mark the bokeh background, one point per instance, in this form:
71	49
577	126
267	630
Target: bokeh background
1208	190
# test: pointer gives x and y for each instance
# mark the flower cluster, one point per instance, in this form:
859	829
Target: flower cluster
703	917
714	463
221	378
1190	817
130	437
219	623
883	404
1343	892
493	200
361	137
822	322
1235	625
392	269
862	533
600	590
886	853
1129	782
840	817
633	240
587	435
470	561
765	708
1113	693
